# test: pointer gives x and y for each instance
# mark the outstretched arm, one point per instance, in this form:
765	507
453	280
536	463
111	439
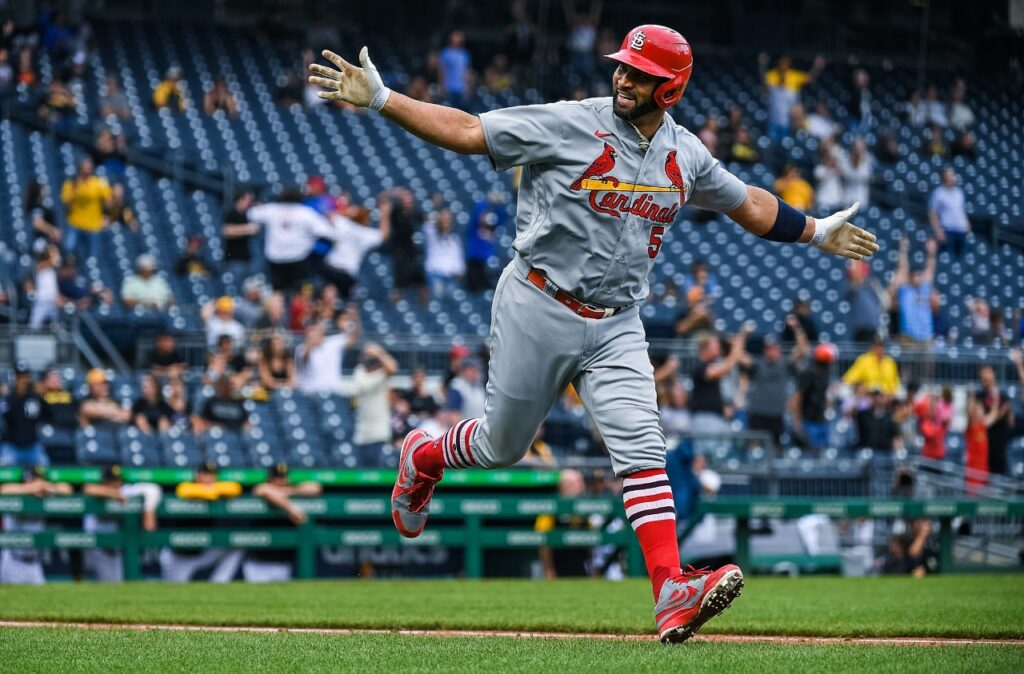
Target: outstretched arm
445	127
764	215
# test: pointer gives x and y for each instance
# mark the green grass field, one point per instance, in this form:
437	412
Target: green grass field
949	606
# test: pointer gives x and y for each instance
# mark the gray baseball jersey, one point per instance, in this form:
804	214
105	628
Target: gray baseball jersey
593	207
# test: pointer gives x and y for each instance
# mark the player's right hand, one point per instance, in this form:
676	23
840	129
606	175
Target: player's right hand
358	86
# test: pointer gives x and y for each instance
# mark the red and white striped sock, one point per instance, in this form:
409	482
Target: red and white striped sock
451	450
651	511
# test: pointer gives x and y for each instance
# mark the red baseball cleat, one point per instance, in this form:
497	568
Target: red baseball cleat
694	597
413	489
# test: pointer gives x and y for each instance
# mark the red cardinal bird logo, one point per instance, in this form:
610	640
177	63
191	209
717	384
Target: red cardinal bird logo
598	169
674	176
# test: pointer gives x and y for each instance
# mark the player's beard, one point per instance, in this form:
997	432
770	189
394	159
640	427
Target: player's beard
636	112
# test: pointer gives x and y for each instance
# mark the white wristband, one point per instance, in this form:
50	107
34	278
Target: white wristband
819	234
379	99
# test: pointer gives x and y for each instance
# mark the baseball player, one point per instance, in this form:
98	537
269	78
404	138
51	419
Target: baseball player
25	565
108	565
180	565
603	180
275	565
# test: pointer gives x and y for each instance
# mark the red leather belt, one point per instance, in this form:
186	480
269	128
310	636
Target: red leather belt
537	278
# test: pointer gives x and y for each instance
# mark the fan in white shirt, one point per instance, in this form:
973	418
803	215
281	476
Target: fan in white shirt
352	241
445	255
318	359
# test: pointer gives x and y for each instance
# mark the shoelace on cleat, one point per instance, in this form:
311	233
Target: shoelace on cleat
419	492
691	571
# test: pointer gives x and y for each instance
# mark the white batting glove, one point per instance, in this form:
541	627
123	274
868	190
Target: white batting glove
358	86
838	236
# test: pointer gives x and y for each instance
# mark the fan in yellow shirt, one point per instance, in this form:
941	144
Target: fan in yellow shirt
86	197
874	369
793	189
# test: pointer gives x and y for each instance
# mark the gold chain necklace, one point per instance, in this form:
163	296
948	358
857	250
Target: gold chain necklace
643	142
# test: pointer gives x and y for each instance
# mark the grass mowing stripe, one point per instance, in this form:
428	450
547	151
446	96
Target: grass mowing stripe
939	606
56	649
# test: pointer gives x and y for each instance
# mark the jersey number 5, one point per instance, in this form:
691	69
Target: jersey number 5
657	232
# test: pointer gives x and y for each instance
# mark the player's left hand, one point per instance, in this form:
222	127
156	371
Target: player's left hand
838	236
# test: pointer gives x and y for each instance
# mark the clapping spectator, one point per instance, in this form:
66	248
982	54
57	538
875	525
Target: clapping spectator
170	93
40	214
373	412
166	360
706	400
146	288
857	172
793	189
829	178
98	407
276	364
113	102
192	262
86	197
150	413
219	97
820	123
998	409
445	262
980	319
947	214
318	359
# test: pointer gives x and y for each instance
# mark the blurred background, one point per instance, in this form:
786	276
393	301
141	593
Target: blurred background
151	149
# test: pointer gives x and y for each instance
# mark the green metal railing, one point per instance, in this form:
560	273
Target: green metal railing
456	522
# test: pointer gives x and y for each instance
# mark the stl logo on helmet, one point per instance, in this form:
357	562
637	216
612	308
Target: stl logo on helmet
639	38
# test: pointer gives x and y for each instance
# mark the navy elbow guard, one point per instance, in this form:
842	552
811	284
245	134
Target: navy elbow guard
789	224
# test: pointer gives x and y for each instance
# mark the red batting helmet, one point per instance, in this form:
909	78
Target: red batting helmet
662	52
